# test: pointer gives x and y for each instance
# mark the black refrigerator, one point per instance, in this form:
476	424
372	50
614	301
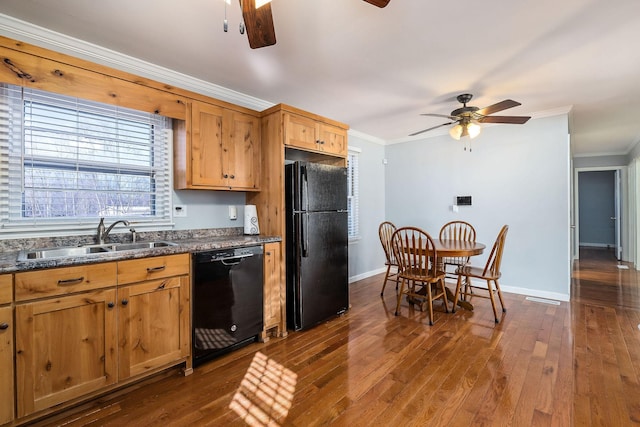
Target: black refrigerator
317	243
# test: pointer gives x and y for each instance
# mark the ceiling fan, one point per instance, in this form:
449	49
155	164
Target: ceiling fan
258	21
467	119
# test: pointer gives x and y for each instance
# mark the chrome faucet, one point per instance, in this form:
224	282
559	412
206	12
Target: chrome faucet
102	234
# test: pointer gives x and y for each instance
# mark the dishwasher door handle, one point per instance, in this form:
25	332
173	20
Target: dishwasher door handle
238	259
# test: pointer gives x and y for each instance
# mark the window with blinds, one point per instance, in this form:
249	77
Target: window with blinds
70	161
352	194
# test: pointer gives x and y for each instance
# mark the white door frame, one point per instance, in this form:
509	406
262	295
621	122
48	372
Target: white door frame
620	170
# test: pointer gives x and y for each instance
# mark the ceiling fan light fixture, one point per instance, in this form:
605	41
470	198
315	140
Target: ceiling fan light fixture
473	129
456	132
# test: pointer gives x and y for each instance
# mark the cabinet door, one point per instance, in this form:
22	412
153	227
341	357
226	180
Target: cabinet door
153	321
273	301
6	365
65	348
207	155
333	140
243	150
300	132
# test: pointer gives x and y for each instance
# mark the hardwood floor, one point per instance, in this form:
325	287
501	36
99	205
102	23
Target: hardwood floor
570	364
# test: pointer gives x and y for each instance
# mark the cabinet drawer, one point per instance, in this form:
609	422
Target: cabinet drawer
5	288
64	280
138	270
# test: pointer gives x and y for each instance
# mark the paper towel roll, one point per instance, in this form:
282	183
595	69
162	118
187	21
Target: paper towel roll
251	220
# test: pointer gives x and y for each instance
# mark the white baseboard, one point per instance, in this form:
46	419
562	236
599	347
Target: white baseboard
511	289
367	274
535	293
597	245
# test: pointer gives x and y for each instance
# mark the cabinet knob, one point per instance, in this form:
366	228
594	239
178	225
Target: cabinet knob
225	176
110	305
232	177
4	326
125	301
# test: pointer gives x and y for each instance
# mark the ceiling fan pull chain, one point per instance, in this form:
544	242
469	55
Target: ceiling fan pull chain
241	27
225	23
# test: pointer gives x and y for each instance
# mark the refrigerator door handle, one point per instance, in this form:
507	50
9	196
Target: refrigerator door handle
304	203
304	234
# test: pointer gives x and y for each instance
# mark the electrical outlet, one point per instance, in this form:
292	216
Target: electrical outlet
233	212
180	211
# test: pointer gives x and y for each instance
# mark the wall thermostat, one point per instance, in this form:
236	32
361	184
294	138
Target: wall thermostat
463	200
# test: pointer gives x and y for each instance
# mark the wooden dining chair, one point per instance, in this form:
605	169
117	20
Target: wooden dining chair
461	231
490	273
385	231
414	250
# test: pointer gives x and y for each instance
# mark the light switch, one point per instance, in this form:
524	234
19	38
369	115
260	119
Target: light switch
233	212
180	211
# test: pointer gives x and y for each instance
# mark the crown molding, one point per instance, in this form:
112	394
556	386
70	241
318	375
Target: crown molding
366	137
48	39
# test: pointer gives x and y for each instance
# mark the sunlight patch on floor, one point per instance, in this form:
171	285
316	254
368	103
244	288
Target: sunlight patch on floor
265	394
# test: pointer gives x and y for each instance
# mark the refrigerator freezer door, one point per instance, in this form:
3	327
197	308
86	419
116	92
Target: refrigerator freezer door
323	282
321	187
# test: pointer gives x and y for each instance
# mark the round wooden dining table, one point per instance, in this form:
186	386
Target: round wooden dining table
457	248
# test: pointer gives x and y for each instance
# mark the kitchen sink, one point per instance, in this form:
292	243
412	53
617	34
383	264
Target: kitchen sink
79	251
61	252
141	245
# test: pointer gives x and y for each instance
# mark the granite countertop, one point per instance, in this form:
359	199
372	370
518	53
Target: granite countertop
9	259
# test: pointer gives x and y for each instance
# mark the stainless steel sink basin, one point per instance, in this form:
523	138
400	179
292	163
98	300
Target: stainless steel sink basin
79	251
141	245
61	252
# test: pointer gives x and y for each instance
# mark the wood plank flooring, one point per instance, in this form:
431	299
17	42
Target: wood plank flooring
572	364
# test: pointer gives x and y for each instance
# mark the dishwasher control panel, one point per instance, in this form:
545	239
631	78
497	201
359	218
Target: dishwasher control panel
230	253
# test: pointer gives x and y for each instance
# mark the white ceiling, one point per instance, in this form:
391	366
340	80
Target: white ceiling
378	69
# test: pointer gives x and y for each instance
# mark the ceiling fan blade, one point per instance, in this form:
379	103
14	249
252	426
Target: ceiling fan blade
259	24
439	115
502	105
427	130
515	120
379	3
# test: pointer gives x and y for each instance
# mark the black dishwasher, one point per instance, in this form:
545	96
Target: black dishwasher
227	307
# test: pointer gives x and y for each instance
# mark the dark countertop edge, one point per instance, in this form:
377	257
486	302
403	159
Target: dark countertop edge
9	260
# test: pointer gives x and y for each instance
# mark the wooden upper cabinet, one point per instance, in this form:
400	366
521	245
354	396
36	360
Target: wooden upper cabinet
220	150
243	150
333	139
311	133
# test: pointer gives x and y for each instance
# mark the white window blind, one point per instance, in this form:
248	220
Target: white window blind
70	161
352	195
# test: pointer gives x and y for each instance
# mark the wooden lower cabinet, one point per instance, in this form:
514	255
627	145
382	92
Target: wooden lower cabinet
274	316
153	330
6	364
65	348
71	346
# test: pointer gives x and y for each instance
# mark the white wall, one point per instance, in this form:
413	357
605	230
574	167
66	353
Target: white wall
365	254
516	175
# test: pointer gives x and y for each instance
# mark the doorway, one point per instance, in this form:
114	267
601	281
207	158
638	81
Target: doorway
598	210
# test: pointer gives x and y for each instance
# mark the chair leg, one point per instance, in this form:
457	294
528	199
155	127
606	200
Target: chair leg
493	301
504	310
386	277
430	301
455	299
443	288
400	297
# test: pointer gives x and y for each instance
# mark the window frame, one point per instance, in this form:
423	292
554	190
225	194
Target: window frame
14	156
